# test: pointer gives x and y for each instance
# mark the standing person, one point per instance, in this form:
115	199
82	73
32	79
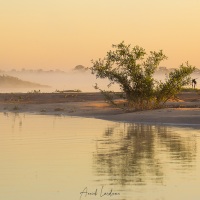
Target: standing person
194	82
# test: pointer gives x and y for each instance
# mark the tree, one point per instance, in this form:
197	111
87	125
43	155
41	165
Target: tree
133	70
80	68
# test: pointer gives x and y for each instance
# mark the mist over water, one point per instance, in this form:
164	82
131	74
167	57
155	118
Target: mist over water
70	80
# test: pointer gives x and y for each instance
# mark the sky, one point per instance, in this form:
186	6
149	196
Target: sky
60	34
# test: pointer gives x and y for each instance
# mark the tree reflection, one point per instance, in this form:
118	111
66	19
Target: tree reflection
138	154
182	148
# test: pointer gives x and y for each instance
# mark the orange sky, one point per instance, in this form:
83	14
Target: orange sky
61	34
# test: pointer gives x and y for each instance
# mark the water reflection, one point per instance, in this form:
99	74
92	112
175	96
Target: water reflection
139	154
16	119
182	148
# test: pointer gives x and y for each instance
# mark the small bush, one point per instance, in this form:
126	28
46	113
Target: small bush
59	109
16	108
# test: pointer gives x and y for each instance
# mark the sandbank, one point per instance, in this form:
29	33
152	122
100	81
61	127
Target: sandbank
184	112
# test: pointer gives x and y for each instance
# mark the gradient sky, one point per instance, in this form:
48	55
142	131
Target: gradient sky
60	34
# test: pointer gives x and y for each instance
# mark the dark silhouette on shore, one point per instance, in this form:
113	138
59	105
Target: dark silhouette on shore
194	82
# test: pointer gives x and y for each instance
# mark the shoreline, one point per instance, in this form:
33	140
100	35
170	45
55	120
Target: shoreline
185	122
185	112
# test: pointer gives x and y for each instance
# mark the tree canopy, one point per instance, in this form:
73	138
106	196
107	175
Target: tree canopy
133	70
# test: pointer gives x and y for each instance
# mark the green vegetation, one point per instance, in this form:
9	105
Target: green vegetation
133	70
58	109
190	90
68	91
15	108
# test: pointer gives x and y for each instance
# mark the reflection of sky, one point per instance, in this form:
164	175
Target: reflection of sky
55	157
45	157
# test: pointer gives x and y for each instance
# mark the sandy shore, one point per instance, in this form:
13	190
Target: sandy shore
184	112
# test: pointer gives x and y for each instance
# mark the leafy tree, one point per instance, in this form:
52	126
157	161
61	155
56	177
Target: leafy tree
133	70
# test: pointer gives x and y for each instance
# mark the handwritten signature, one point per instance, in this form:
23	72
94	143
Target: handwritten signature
98	192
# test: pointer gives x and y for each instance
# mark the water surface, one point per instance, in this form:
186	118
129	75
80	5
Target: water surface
57	158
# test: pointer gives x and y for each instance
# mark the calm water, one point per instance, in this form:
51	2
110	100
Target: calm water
57	158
